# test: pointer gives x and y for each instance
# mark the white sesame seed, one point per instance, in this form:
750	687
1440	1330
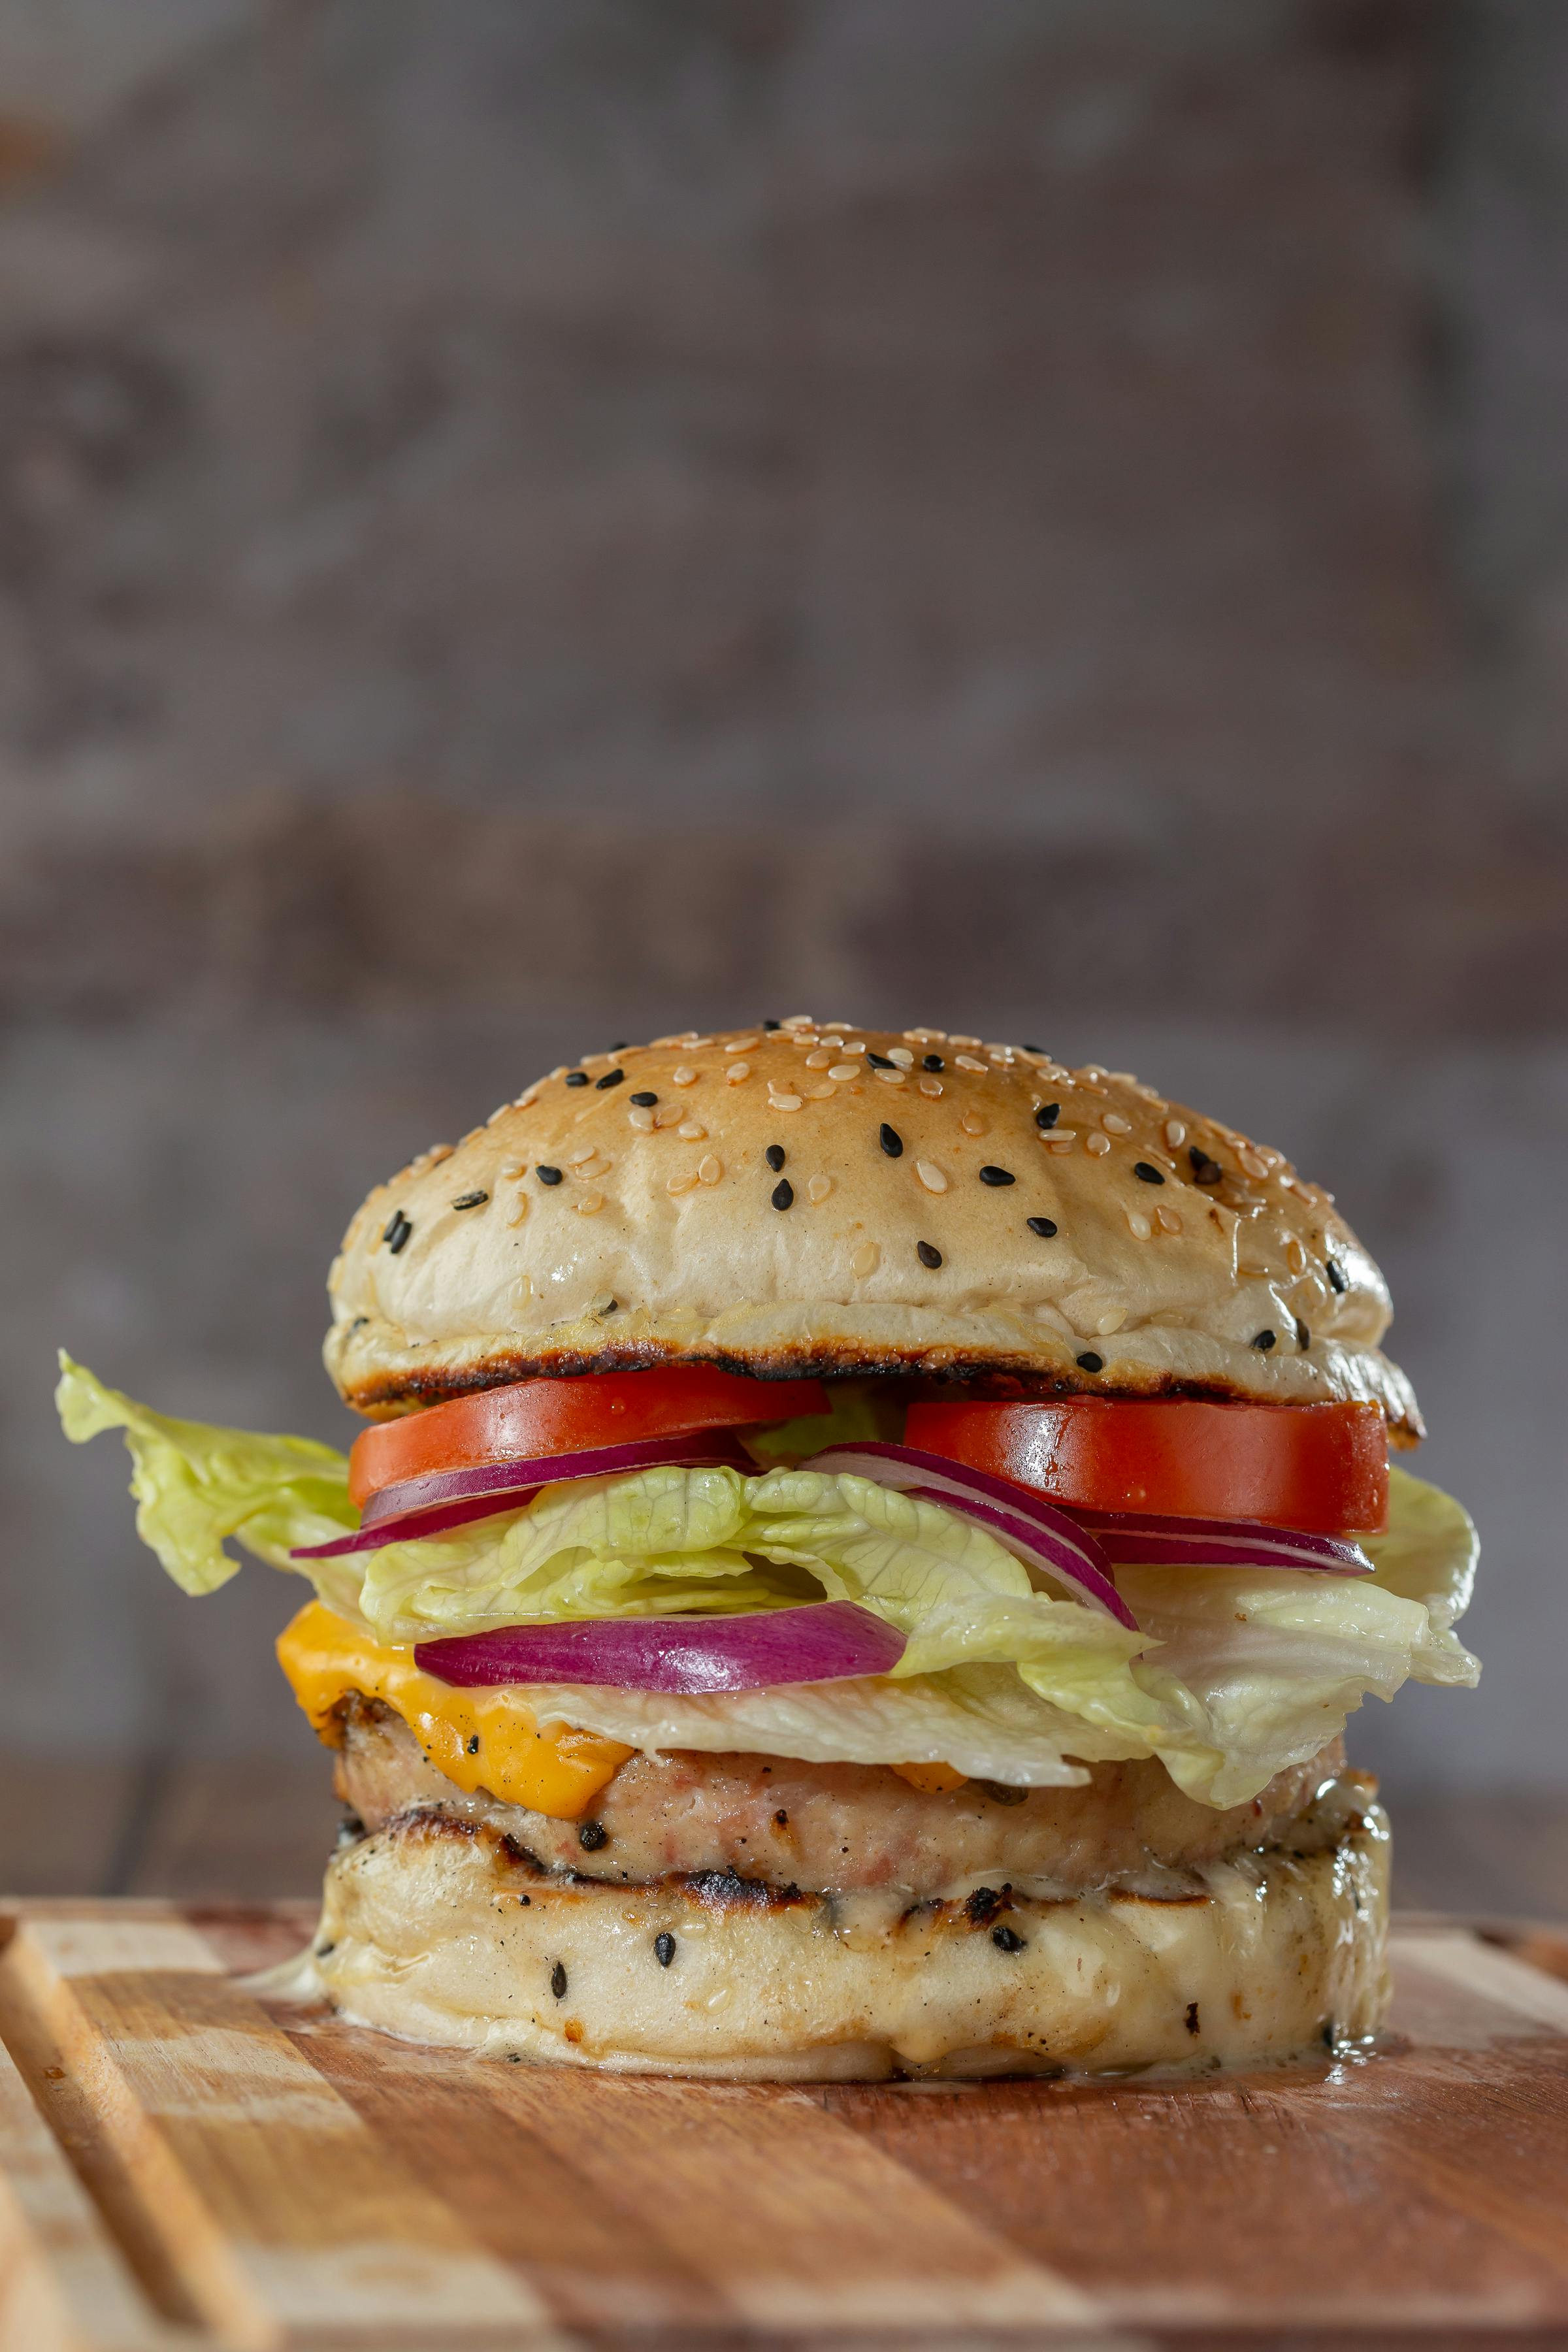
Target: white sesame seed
712	1169
819	1094
1175	1133
866	1260
891	1077
527	1101
669	1114
1141	1227
819	1188
437	1153
856	1045
1114	1124
954	1039
1294	1256
738	1073
1095	1070
587	1111
1123	1077
1060	1139
1000	1053
785	1102
968	1062
692	1130
901	1054
590	1171
925	1036
798	1021
639	1116
581	1152
1099	1144
1170	1220
685	1076
559	1070
739	1045
933	1178
836	1043
509	1167
682	1183
973	1123
818	1058
518	1209
1254	1162
1110	1321
590	1204
845	1070
931	1089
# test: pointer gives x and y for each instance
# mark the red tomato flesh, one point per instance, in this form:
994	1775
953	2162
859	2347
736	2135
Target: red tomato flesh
1320	1467
531	1418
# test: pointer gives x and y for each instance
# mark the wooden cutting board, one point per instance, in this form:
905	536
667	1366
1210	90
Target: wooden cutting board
186	2165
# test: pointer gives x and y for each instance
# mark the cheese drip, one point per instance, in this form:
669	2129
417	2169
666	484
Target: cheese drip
481	1739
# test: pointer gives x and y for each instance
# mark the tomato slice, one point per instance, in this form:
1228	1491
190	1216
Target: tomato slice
565	1416
1320	1467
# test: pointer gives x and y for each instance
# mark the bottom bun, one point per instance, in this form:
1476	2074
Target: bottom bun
443	1931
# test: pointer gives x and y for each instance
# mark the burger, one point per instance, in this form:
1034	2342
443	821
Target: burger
863	1549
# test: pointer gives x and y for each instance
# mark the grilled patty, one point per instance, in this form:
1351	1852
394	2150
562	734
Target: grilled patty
846	1827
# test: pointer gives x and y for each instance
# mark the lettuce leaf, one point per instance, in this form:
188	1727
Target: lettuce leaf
1233	1674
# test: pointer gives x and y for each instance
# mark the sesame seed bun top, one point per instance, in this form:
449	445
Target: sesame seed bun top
827	1198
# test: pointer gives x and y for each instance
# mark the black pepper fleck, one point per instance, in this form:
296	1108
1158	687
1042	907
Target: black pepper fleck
323	1950
1146	1172
548	1175
1044	1226
781	1818
891	1141
470	1201
928	1255
1336	1274
933	1062
774	1156
1008	1939
1089	1362
1048	1114
643	1101
1192	2017
474	1744
664	1947
576	1077
990	1175
1264	1339
982	1906
592	1835
610	1078
558	1981
783	1194
879	1061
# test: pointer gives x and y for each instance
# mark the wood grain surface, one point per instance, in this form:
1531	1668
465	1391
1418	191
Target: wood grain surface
185	2163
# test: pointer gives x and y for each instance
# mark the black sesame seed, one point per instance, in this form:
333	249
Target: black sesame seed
1336	1274
1304	1336
998	1176
1044	1226
781	1818
576	1077
644	1101
592	1835
933	1062
1008	1939
664	1947
1146	1172
548	1175
927	1255
772	1024
620	1044
774	1156
1190	2018
1265	1340
1204	1169
471	1199
474	1744
323	1950
891	1141
1048	1114
610	1078
783	1195
397	1233
881	1062
1089	1362
1032	1049
558	1981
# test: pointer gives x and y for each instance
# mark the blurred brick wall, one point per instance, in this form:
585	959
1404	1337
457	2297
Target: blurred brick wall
521	523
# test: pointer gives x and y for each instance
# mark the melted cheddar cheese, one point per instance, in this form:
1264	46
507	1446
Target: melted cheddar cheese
480	1738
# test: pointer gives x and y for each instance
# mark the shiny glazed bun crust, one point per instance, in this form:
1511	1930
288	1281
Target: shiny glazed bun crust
828	1199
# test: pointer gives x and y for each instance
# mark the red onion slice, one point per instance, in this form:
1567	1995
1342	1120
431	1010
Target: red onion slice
1145	1540
821	1641
440	1499
1032	1529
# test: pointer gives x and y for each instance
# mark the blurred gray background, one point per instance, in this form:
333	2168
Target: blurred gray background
527	522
